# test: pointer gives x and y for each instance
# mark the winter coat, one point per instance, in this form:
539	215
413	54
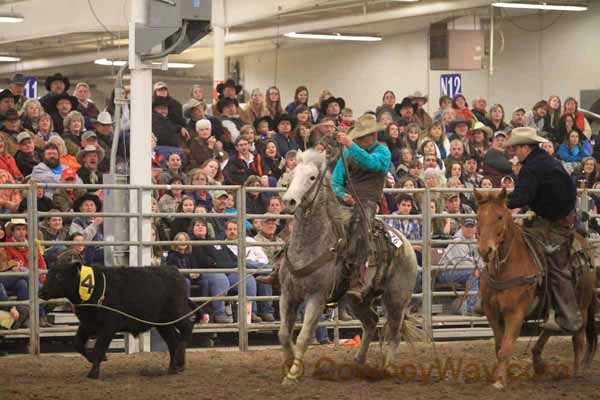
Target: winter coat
576	154
8	163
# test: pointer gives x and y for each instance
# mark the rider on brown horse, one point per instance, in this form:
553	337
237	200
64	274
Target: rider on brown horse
547	189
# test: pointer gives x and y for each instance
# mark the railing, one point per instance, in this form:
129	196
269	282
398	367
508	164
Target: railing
242	327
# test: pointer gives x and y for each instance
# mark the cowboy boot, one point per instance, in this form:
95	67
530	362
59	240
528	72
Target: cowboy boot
356	285
563	294
551	324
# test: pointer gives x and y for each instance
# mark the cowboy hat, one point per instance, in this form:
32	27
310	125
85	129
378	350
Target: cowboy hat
229	83
524	135
57	77
265	118
8	227
159	101
418	95
481	127
87	196
285	117
325	103
364	125
64	96
190	105
406	102
90	148
224	102
6	94
104	118
457	121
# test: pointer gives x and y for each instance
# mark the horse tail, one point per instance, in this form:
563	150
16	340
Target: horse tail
591	333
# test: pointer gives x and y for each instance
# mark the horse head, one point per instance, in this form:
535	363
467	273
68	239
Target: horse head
311	164
494	218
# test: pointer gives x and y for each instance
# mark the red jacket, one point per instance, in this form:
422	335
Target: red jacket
8	163
22	254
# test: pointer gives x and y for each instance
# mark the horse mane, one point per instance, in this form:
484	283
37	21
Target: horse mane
311	156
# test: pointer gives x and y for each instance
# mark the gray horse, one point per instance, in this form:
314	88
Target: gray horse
312	271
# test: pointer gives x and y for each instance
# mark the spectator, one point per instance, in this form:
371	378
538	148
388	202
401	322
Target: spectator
495	162
90	226
445	103
53	229
537	116
519	118
459	129
461	107
195	110
273	102
347	121
406	111
7	102
553	114
30	115
387	104
300	99
16	86
303	116
496	119
436	134
45	130
588	173
421	116
175	110
27	157
56	85
238	169
103	126
566	126
202	147
180	256
457	153
332	108
44	204
168	133
74	125
201	196
9	131
410	228
572	107
478	144
173	170
220	199
212	169
479	110
454	206
290	165
9	198
75	252
64	157
284	139
229	110
8	163
86	106
60	107
574	149
181	224
90	158
268	163
89	138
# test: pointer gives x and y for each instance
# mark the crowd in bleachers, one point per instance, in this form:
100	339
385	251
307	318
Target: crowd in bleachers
250	138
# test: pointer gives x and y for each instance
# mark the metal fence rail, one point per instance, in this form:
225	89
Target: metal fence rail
242	326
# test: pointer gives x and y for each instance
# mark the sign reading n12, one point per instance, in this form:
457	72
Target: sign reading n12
30	87
450	85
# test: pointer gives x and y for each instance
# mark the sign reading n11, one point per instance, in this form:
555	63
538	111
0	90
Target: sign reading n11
450	85
30	87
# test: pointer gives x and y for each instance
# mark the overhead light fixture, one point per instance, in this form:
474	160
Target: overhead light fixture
541	6
335	36
120	63
9	59
11	18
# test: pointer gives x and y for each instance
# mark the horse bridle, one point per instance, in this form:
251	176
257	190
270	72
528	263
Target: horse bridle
315	187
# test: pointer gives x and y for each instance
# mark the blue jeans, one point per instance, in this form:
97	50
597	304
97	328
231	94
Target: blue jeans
217	284
464	277
16	284
264	307
234	278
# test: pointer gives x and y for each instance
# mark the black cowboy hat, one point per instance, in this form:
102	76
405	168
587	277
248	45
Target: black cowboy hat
87	196
267	118
406	102
285	117
57	77
6	94
457	121
64	96
224	102
229	83
325	103
160	101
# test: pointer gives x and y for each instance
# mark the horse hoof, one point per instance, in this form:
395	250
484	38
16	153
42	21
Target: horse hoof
287	380
498	385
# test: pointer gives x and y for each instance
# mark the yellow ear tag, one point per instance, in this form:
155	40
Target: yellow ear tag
87	282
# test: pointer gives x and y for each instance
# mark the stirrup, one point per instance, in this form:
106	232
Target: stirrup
551	324
550	249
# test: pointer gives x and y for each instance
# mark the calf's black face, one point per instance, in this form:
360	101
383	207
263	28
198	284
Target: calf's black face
61	281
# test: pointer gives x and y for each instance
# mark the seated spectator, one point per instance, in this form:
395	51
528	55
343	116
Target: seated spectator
18	261
537	116
74	127
284	140
202	147
495	161
411	229
268	162
90	158
89	138
60	108
10	199
50	169
12	317
168	133
248	133
290	164
75	252
421	116
567	125
53	229
406	112
454	206
85	106
445	103
255	108
65	159
103	126
195	110
30	115
573	150
496	119
212	169
90	226
229	110
180	256
436	134
173	170
457	153
217	284
44	203
220	200
460	106
238	169
8	163
181	224
519	118
479	110
303	116
45	131
201	196
587	174
27	157
64	198
175	110
11	127
56	85
7	102
572	107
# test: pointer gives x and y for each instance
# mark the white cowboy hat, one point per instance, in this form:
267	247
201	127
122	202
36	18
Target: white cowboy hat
524	135
90	148
364	125
12	223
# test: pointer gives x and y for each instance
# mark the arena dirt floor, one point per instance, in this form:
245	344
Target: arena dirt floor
226	374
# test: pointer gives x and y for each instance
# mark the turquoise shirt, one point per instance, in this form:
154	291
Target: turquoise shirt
376	158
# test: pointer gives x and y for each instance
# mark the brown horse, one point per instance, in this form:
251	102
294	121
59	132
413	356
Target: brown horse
509	283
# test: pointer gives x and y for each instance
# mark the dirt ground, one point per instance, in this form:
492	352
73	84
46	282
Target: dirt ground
329	374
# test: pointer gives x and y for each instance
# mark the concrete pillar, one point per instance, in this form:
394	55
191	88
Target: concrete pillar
218	27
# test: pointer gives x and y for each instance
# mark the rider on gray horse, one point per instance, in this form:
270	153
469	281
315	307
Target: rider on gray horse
546	187
358	180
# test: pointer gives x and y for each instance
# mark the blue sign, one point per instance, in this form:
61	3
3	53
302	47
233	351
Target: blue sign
30	88
450	85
